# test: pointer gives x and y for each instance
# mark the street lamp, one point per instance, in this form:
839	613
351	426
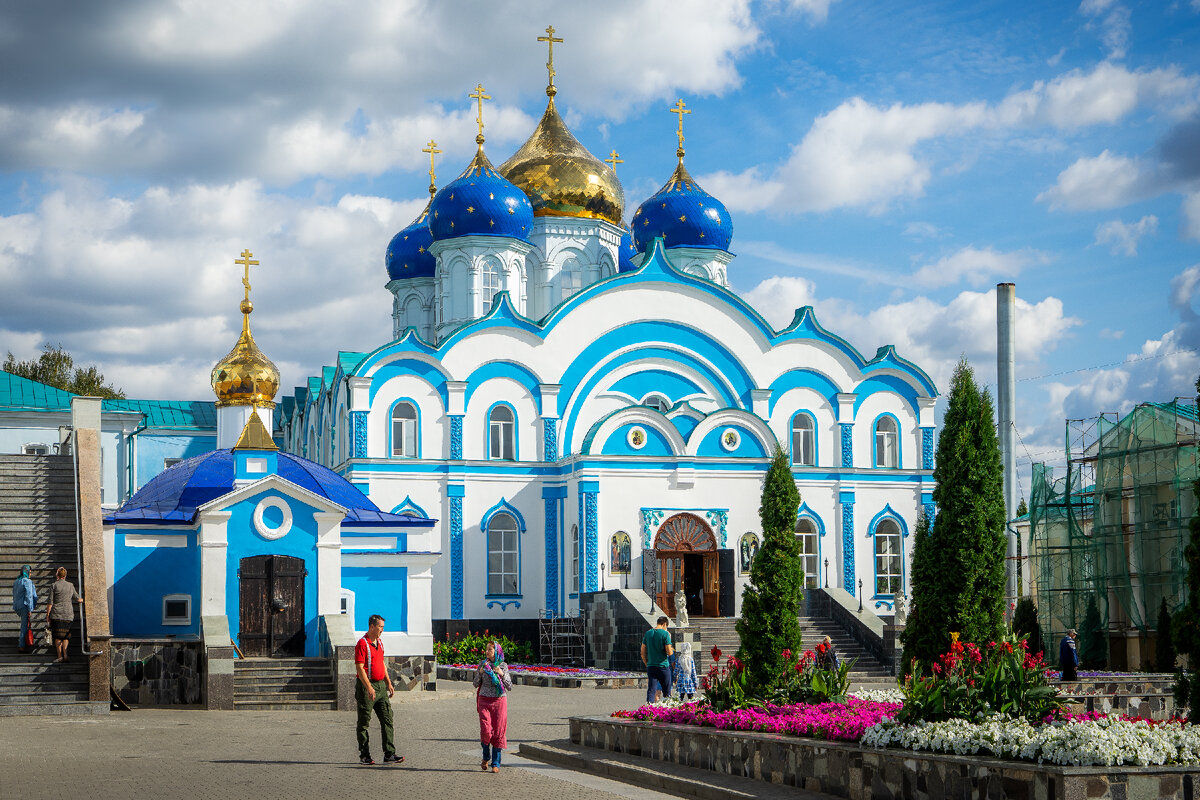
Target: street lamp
860	595
827	573
603	585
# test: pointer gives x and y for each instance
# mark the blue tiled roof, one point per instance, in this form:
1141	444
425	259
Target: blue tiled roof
191	414
18	392
348	361
175	494
684	215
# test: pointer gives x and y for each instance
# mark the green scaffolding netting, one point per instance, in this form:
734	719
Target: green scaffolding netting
1114	527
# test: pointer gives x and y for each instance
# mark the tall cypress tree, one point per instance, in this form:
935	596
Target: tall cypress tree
770	621
960	585
1164	644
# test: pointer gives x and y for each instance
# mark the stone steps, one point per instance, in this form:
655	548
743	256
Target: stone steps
284	684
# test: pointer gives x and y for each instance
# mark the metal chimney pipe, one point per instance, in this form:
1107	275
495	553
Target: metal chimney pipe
1006	301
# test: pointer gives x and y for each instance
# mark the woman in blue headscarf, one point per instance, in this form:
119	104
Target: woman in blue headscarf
492	684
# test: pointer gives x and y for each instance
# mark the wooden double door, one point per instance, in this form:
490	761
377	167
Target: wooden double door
271	606
700	576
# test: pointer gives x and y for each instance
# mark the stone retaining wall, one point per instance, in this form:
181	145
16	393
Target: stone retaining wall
1151	697
553	681
158	672
844	769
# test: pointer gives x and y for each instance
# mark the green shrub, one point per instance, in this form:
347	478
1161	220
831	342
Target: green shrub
472	648
1093	640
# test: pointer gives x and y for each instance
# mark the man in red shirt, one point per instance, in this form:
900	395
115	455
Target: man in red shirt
373	692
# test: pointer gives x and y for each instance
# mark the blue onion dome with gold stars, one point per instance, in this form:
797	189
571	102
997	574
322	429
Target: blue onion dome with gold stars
684	215
626	251
480	202
408	253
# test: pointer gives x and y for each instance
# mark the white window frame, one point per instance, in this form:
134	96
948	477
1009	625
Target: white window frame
501	435
804	451
504	542
806	531
570	282
893	562
887	443
170	462
404	436
490	283
35	449
346	604
659	403
177	620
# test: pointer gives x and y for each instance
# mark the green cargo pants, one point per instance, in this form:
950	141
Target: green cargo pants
382	706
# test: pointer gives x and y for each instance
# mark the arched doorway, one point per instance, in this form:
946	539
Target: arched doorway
687	555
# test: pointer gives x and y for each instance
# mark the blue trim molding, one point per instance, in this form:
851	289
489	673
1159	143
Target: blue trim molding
456	425
456	551
551	553
719	519
358	424
504	604
926	448
409	507
591	537
650	519
847	500
807	513
928	508
502	507
847	444
550	438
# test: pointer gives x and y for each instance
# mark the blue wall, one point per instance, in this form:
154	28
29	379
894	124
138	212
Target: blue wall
151	450
378	590
617	443
748	447
144	575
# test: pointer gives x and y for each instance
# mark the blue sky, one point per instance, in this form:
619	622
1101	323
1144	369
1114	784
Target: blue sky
885	162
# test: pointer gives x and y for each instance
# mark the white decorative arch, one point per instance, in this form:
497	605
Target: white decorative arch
732	416
638	415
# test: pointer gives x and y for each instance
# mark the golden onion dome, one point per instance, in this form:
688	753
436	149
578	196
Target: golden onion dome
560	177
245	377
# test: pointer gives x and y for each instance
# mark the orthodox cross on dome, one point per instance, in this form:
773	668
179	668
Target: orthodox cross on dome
612	161
550	40
679	109
480	97
247	262
432	149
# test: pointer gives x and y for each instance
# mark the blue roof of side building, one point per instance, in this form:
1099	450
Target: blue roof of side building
176	494
18	392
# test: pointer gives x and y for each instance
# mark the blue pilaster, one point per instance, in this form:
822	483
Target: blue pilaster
552	496
456	437
926	448
928	508
847	444
456	493
848	571
358	425
590	491
550	438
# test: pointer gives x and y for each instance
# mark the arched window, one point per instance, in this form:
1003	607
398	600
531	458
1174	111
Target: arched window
404	431
887	558
747	550
503	561
804	440
887	443
620	553
806	533
574	559
569	282
489	284
658	403
500	434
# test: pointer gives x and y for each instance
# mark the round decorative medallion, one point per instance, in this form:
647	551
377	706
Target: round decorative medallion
730	439
636	437
272	518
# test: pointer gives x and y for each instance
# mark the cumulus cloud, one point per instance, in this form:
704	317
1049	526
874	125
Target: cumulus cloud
975	266
1104	181
1124	238
923	230
1112	20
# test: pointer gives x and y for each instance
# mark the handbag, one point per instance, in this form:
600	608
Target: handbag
28	632
47	637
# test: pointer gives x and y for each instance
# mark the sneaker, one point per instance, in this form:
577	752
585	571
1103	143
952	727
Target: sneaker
393	759
366	760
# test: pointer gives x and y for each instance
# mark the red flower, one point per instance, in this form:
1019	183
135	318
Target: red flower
734	664
716	654
821	648
787	654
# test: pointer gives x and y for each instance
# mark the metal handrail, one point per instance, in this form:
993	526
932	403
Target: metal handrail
83	638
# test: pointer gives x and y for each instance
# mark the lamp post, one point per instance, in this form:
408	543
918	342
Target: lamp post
827	573
603	585
860	595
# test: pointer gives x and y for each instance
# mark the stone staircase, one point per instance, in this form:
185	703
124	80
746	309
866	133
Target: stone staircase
284	684
722	633
37	527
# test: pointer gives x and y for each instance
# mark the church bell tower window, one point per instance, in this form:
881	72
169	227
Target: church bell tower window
489	285
404	431
500	434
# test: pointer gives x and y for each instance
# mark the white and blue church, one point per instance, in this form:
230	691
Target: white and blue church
585	404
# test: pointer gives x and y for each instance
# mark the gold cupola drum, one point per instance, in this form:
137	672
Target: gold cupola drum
557	173
245	377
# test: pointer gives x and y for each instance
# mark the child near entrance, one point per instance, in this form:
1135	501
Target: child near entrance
656	655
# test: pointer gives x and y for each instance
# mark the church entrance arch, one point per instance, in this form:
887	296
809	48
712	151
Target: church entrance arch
271	606
686	548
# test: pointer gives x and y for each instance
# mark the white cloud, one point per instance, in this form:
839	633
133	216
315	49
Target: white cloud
817	9
1113	21
1124	238
923	230
1103	181
1107	94
976	267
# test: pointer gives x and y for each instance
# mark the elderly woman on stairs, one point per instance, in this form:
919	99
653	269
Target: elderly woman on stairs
492	684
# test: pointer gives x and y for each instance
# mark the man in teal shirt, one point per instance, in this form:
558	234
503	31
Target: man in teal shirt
656	654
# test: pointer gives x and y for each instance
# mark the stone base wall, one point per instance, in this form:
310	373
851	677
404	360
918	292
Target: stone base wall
1152	697
843	769
412	673
552	681
158	672
617	620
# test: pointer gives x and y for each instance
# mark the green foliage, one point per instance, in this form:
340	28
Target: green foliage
1187	620
771	602
472	648
1025	623
810	678
55	367
958	574
1093	640
1164	644
726	686
1022	508
967	681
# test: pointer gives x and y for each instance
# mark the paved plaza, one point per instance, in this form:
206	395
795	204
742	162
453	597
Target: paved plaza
265	755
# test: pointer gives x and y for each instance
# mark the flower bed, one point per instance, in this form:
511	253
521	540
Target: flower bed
845	722
544	669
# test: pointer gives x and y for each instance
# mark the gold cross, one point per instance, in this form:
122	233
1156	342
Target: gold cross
432	149
246	262
612	160
679	109
550	40
480	96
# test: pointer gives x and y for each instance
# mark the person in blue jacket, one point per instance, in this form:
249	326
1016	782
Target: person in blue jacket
1068	657
24	602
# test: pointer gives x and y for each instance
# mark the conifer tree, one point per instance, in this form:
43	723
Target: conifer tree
960	585
1025	623
770	621
1164	644
1093	642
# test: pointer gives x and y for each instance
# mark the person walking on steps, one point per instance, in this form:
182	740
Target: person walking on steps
60	612
24	602
373	692
492	684
656	655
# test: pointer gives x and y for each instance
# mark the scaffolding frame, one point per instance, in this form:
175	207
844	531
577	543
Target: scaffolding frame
560	639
